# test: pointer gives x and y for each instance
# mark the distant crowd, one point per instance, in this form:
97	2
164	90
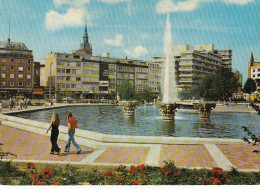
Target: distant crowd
22	103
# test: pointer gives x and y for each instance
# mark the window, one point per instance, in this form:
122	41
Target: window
253	70
3	83
73	86
12	60
20	68
29	61
20	76
11	83
3	75
253	75
11	68
28	83
78	64
67	70
77	78
29	76
20	60
28	69
3	59
11	76
3	67
20	84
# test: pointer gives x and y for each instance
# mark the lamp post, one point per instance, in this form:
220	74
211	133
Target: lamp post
50	82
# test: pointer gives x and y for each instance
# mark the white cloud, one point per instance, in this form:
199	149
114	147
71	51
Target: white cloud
137	52
74	3
112	1
167	6
239	2
73	17
117	41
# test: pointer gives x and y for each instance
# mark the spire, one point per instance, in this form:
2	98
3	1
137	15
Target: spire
85	44
251	58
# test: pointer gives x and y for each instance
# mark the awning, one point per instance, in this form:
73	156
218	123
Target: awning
38	92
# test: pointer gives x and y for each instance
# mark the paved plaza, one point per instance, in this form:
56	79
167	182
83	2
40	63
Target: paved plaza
33	145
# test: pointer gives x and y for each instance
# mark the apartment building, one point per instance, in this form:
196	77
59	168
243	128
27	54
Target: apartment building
192	63
16	69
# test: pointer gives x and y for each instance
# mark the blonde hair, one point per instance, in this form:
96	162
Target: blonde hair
55	119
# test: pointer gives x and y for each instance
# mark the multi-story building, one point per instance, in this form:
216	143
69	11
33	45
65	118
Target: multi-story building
191	65
79	73
154	74
254	70
16	69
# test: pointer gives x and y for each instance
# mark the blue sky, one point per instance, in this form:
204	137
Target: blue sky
133	28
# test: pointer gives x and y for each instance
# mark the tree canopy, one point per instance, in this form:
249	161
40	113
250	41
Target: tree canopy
218	86
126	91
250	86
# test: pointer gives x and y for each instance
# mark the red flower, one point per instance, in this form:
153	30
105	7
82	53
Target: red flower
166	174
141	174
143	180
35	175
46	176
134	182
35	181
120	180
178	174
30	165
41	183
141	167
108	173
56	183
162	169
133	168
49	171
216	181
203	182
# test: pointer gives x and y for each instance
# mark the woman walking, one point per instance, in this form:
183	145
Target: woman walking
54	125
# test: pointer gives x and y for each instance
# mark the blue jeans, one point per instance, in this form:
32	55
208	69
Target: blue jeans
71	139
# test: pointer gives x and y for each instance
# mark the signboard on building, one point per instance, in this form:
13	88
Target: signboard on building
103	77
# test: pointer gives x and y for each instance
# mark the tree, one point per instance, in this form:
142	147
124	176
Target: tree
250	86
218	86
126	91
58	95
148	95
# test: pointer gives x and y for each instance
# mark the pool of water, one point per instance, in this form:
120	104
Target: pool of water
148	122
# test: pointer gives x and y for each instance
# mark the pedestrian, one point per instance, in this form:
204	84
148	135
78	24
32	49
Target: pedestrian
25	103
11	103
20	104
54	126
72	125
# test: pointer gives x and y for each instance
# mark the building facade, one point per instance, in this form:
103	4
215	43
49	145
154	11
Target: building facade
191	65
81	74
16	71
254	70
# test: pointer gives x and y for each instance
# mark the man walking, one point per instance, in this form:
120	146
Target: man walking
72	125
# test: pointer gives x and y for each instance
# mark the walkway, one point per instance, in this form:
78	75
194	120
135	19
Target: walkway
33	147
27	139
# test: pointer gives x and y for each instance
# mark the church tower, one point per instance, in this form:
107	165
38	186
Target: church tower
86	46
250	64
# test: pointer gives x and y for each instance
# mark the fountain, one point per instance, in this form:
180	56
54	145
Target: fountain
129	108
204	109
168	83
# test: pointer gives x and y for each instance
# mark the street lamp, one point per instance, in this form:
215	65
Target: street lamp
50	82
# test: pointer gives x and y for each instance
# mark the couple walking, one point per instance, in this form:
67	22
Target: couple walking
54	126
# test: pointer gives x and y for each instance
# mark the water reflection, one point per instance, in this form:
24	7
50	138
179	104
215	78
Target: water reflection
168	128
148	122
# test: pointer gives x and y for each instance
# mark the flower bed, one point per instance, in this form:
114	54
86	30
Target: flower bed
168	174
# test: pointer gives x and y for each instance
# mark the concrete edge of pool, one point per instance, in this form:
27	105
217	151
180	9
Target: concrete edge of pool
104	143
100	141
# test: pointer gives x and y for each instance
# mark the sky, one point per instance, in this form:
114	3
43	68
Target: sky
133	28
